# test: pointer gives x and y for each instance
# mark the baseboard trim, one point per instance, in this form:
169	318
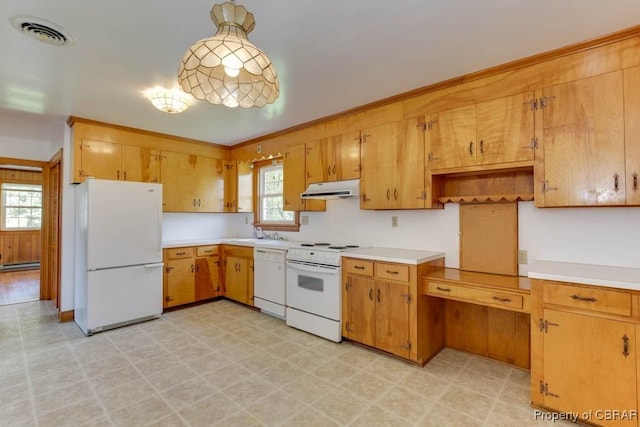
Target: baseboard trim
65	316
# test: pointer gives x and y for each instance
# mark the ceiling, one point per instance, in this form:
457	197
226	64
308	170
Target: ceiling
330	55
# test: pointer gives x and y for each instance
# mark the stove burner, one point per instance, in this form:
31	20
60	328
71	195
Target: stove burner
337	247
307	245
352	246
321	244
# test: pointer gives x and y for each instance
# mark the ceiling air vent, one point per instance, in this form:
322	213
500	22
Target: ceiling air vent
42	30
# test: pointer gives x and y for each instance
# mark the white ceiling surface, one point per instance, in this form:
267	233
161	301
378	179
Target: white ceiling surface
330	55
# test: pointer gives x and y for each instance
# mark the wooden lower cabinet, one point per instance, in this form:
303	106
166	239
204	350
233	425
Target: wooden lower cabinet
381	308
191	274
238	273
585	360
20	247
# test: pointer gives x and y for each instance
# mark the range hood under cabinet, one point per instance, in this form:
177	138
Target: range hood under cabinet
347	189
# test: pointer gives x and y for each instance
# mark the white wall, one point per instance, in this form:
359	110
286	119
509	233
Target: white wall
181	226
607	236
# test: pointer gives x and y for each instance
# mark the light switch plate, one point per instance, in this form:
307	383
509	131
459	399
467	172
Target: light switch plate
304	220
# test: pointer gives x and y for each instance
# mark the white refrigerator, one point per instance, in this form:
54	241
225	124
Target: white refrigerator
118	265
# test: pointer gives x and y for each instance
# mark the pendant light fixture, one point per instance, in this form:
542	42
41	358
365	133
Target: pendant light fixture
227	68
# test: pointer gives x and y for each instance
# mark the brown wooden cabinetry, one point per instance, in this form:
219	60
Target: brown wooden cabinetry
191	274
238	273
230	184
584	350
192	183
381	308
487	133
109	160
334	158
391	178
294	172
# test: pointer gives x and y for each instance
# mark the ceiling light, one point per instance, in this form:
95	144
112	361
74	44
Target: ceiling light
169	100
227	68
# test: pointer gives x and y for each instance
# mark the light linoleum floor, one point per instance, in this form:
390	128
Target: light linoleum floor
221	364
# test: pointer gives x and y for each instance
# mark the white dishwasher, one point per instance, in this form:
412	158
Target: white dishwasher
269	281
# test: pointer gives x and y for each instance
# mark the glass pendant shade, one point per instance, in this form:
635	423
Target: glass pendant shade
227	68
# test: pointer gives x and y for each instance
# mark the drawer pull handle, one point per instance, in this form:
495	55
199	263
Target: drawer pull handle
587	299
625	345
208	251
181	253
443	289
392	272
502	299
359	267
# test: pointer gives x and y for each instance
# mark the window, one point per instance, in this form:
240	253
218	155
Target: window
21	206
269	212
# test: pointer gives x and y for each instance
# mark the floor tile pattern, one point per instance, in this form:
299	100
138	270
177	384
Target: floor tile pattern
222	364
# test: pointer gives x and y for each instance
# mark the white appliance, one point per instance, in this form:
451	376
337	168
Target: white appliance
269	281
346	189
118	265
314	294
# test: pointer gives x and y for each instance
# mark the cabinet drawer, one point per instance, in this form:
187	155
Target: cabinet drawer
476	295
602	300
178	253
392	271
240	251
358	266
207	250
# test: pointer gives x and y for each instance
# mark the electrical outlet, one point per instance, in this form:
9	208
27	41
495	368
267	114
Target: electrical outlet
246	220
523	257
304	220
394	221
259	149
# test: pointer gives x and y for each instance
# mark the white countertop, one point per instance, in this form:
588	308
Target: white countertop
403	256
190	242
587	274
263	243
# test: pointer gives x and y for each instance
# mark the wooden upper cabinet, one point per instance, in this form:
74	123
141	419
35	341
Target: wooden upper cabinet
294	173
452	138
244	185
99	159
632	134
390	178
584	147
488	133
334	158
109	160
178	174
140	164
230	182
209	185
505	129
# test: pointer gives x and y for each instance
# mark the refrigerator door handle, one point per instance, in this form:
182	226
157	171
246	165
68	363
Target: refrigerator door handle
156	265
160	229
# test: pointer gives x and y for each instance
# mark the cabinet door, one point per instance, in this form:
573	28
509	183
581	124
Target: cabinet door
587	365
293	170
452	137
584	142
378	167
505	130
209	185
99	159
207	278
346	156
140	164
392	318
235	279
180	289
318	161
245	186
230	181
359	306
632	134
178	173
409	183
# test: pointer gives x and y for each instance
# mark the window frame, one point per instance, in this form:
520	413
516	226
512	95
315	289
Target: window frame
3	207
269	226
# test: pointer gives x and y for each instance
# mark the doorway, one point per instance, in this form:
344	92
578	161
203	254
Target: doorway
29	229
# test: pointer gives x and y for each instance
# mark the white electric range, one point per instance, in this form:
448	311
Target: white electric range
314	293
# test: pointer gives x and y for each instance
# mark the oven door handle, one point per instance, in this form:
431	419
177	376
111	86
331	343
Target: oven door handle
303	266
